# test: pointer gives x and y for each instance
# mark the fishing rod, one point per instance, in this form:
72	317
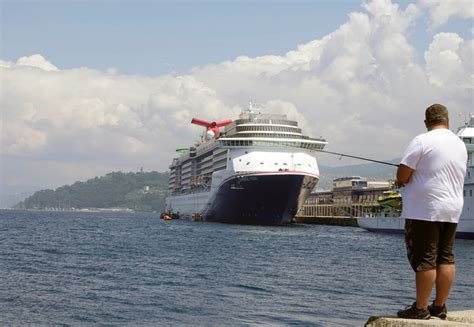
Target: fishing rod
360	158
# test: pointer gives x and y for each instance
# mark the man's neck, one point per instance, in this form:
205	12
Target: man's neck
440	126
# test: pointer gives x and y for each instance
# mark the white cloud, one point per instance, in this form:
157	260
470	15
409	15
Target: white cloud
360	87
442	10
449	61
37	61
388	13
83	113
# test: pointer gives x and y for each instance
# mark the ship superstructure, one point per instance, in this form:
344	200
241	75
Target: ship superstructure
258	170
466	221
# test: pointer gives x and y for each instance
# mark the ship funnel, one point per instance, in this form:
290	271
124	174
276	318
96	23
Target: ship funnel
211	126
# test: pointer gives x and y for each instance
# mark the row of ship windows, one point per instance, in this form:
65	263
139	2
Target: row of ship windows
187	180
203	163
200	166
186	165
276	135
266	121
207	159
198	152
210	167
211	157
276	164
220	156
205	148
203	172
210	163
222	162
268	128
188	162
470	193
303	145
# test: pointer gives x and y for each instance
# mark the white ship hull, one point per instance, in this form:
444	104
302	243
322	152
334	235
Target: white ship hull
396	225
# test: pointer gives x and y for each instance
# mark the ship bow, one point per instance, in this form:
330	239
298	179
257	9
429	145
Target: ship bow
261	199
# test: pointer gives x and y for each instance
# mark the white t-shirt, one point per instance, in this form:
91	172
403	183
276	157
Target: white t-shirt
435	191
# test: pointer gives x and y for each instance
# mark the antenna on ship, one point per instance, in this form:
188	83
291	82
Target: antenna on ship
253	109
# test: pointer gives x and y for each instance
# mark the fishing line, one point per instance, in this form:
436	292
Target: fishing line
360	158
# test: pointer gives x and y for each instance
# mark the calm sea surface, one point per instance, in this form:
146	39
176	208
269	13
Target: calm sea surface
135	269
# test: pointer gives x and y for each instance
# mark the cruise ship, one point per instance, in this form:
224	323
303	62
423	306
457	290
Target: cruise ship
259	169
390	223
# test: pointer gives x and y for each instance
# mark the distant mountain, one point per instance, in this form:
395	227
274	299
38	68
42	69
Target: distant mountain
141	191
374	171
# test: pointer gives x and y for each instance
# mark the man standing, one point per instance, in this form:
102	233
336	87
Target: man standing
432	170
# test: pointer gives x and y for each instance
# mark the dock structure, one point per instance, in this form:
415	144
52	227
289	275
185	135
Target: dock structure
455	318
350	197
328	221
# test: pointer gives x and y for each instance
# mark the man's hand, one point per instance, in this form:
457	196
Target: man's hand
398	184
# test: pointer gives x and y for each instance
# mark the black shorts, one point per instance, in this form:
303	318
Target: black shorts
429	243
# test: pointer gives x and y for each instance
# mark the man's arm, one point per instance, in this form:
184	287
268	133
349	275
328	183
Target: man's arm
403	175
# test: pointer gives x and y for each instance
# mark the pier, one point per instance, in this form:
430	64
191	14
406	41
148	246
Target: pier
455	318
350	197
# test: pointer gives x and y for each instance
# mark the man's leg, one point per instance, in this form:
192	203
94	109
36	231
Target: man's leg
424	284
445	274
421	239
446	270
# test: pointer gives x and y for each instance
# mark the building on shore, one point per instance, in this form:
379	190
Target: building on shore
350	197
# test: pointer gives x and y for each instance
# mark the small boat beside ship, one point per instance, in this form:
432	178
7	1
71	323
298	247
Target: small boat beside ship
389	221
258	170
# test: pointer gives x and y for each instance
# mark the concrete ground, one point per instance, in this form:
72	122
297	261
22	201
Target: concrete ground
455	318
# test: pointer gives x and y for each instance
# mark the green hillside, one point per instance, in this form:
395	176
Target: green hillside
140	191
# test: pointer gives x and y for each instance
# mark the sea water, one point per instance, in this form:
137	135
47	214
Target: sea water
77	268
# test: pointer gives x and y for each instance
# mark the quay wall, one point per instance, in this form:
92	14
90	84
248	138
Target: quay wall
332	221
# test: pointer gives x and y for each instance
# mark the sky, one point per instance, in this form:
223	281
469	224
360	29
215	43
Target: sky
90	87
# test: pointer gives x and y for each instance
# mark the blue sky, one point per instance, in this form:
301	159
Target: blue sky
157	37
90	87
160	37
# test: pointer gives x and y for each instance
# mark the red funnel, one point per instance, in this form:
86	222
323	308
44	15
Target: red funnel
211	126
